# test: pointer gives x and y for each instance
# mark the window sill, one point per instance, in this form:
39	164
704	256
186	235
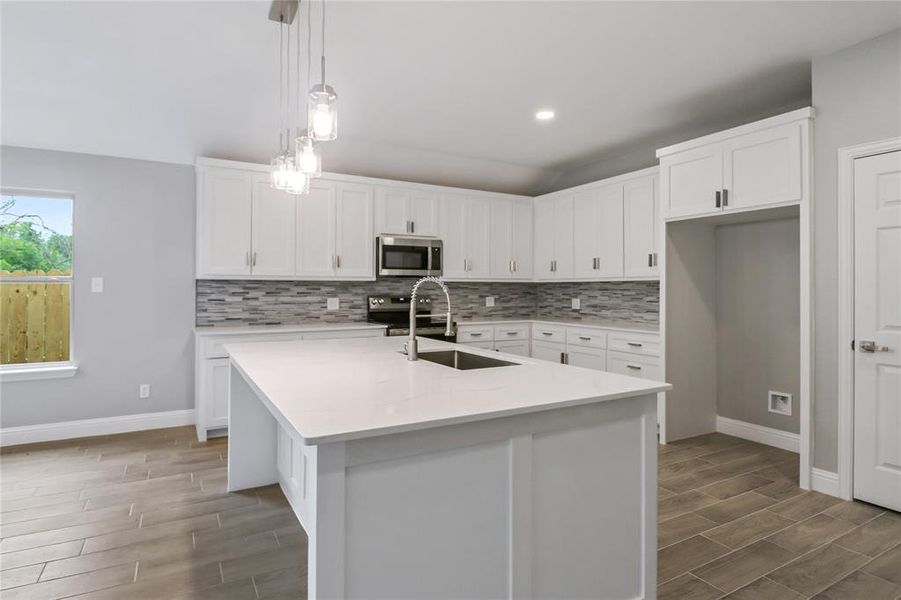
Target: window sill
12	373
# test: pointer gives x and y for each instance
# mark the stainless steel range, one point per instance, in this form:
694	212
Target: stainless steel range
394	311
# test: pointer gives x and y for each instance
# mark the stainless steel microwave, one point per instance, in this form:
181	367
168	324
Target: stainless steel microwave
408	256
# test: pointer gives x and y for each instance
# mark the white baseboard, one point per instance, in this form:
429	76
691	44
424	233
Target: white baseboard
29	434
825	482
759	433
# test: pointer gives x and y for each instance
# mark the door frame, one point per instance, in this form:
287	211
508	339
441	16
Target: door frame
845	413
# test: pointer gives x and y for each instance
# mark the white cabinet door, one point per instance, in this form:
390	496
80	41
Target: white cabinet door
453	236
522	239
691	181
586	233
563	238
274	230
610	230
544	239
548	351
763	167
640	227
423	213
477	237
501	248
216	390
354	241
590	358
316	231
391	208
517	347
224	215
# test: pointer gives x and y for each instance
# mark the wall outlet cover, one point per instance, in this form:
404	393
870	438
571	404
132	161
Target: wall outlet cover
144	390
332	303
577	304
489	301
779	403
97	285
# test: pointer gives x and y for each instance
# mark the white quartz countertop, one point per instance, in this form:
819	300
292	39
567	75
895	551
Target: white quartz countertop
598	323
334	390
244	329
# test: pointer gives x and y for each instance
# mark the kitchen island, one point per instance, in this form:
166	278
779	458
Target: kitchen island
417	480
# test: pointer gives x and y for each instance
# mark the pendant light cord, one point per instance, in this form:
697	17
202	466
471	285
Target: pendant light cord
323	44
281	83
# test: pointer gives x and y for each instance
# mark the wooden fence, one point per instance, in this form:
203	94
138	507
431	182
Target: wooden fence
34	319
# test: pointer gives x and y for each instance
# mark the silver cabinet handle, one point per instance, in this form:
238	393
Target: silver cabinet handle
338	261
634	367
584	338
510	266
650	259
514	266
253	260
725	198
476	334
547	333
562	358
412	226
512	333
655	259
634	344
718	199
870	346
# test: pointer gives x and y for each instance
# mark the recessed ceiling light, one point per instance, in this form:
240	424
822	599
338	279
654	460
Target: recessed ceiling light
544	115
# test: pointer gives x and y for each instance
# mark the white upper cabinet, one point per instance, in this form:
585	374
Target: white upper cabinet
354	241
223	222
598	232
511	238
641	230
465	236
316	231
273	224
753	166
400	210
553	237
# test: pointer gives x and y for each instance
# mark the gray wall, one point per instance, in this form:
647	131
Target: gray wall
758	320
857	96
133	226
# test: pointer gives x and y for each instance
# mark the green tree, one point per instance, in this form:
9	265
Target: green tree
27	244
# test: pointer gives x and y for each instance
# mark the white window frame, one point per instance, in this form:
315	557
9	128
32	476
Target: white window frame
45	370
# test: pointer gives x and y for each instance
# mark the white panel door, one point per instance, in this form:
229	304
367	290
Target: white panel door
453	236
355	240
543	244
522	239
610	232
763	167
391	207
517	347
563	238
640	228
691	181
316	231
501	242
586	234
478	216
274	230
590	358
548	351
423	213
217	372
877	330
224	213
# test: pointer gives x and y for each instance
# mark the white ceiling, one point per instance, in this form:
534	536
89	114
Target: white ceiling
443	92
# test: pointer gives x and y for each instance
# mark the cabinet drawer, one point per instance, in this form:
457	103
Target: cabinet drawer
589	338
214	348
646	367
634	343
475	333
486	345
338	334
549	333
504	333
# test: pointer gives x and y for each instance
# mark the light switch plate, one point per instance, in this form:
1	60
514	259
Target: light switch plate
489	301
577	304
97	285
144	390
332	304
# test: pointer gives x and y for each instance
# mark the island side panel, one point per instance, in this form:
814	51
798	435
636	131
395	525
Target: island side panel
558	503
252	437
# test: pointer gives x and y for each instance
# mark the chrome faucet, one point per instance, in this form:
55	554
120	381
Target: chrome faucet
412	346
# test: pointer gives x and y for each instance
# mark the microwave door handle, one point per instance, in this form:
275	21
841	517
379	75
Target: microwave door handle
429	259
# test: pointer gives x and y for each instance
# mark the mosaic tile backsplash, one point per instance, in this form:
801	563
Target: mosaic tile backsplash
236	303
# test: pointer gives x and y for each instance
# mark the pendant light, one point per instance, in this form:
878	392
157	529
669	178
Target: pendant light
322	118
306	151
279	165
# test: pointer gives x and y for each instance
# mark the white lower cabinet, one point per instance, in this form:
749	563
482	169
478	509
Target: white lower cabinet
590	358
212	366
517	347
548	351
636	365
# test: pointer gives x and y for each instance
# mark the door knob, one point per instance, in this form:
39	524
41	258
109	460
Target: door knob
869	346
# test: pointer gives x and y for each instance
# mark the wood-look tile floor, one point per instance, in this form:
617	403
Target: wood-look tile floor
146	515
733	523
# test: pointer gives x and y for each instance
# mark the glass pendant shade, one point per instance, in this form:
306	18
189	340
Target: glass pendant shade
279	172
298	182
308	158
323	113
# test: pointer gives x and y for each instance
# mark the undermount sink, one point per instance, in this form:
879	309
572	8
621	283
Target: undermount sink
463	361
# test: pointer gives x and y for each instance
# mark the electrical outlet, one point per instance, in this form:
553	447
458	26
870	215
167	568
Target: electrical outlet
489	301
779	403
577	304
332	303
97	285
144	390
